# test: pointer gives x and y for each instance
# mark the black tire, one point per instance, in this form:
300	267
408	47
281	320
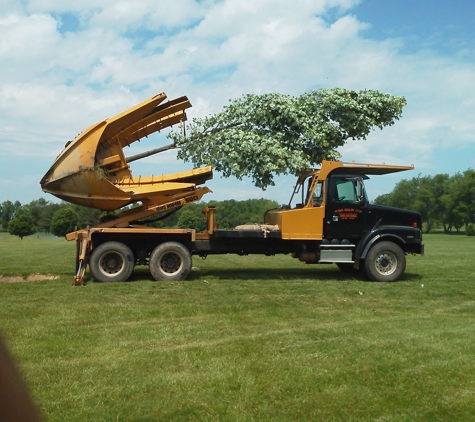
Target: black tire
111	261
170	261
385	261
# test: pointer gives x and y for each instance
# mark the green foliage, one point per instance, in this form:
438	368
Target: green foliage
461	198
44	222
43	211
21	224
189	219
470	230
36	209
7	211
439	198
260	136
382	199
230	213
64	221
87	216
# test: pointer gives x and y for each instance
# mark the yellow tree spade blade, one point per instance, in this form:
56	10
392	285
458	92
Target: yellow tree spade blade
92	170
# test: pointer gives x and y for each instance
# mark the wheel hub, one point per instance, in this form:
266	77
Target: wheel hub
386	263
112	263
171	263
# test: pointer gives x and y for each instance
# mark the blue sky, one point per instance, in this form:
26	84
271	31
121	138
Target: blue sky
68	64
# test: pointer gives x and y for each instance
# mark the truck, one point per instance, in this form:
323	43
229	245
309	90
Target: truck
328	220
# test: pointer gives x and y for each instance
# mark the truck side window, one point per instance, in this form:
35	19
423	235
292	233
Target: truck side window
318	195
346	190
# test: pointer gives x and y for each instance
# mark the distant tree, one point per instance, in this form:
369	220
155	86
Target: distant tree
189	219
382	199
426	201
87	216
64	221
439	188
47	214
404	194
230	213
8	210
260	136
439	198
21	224
470	230
459	202
36	209
414	194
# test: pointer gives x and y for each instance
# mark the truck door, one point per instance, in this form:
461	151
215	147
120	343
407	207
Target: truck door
346	208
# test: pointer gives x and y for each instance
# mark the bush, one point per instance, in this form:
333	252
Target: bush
21	224
470	230
64	221
189	220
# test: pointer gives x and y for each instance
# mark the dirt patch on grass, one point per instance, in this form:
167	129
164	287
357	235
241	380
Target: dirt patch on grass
26	278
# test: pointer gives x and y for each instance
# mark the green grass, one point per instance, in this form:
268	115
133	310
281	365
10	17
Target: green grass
245	339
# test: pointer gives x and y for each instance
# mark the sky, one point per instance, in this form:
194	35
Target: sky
68	64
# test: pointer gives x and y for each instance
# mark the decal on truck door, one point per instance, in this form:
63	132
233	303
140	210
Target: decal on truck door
348	213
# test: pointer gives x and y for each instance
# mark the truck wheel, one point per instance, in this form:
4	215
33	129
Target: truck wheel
111	261
170	261
386	261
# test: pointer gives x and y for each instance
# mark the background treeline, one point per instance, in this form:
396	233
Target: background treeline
230	214
443	201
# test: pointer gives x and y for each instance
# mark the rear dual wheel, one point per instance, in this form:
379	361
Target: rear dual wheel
170	261
111	261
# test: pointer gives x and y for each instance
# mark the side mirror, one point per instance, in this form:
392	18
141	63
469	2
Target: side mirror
360	190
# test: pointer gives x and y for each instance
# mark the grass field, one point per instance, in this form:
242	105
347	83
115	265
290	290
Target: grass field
245	339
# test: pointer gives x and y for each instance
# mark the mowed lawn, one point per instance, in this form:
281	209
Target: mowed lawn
245	339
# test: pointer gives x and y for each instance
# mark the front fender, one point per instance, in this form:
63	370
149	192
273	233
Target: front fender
408	238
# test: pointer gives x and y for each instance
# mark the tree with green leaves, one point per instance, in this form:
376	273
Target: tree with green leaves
36	209
428	200
460	200
382	199
189	219
22	223
44	223
7	211
260	136
424	194
64	221
440	199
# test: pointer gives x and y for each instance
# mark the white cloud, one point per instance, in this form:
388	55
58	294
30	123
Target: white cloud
26	41
55	83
